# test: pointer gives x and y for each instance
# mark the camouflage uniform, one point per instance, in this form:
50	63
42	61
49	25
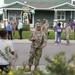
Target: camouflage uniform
67	33
13	23
37	23
36	51
45	28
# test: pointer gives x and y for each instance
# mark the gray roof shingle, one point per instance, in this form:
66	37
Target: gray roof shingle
43	4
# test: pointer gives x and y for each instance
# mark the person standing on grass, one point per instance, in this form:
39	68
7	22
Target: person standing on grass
39	41
20	26
6	47
44	20
13	23
37	23
45	27
73	26
67	33
69	23
9	29
55	29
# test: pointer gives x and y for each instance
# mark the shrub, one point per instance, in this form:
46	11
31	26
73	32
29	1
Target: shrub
26	27
60	65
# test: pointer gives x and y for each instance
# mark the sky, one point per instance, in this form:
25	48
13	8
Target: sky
1	4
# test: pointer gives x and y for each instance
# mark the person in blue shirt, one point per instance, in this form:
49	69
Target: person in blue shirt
9	29
74	28
69	23
20	26
59	31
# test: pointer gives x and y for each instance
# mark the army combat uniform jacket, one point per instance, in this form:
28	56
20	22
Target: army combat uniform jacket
41	39
45	28
36	50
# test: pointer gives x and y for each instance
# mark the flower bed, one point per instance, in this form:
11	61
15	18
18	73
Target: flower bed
59	65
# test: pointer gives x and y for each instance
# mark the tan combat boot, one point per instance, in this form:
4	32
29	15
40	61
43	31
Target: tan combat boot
35	68
28	69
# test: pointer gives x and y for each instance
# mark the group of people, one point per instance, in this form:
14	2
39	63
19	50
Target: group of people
67	32
11	28
39	41
44	25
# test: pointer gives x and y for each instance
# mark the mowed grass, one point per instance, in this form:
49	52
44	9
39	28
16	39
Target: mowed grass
51	35
26	35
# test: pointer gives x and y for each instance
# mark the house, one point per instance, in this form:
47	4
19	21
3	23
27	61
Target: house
31	10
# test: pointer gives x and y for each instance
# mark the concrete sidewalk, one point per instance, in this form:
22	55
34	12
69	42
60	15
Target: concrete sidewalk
49	41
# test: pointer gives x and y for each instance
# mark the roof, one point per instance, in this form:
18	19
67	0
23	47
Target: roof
61	1
37	5
43	4
16	2
63	4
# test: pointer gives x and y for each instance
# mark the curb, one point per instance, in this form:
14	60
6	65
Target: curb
27	41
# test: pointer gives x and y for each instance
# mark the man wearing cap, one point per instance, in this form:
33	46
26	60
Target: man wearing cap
13	23
67	32
37	23
39	41
45	27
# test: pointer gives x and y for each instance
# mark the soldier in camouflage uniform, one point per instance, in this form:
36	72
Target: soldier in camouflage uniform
37	23
45	27
13	23
67	33
39	41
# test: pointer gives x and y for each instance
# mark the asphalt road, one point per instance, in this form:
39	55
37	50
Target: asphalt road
23	50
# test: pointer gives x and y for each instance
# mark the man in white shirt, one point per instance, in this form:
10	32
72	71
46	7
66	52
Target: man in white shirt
20	26
6	47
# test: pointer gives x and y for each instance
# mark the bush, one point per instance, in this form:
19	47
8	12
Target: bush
26	27
60	65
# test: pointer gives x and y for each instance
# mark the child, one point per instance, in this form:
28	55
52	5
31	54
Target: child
6	47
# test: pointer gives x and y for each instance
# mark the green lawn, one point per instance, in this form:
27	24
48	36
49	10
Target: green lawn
26	35
51	35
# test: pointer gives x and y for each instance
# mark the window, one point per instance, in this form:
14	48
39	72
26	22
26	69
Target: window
61	15
15	14
10	18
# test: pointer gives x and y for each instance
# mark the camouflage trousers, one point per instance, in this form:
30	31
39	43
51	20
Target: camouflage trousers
67	39
35	55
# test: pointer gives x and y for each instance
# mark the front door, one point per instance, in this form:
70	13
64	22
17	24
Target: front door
29	18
